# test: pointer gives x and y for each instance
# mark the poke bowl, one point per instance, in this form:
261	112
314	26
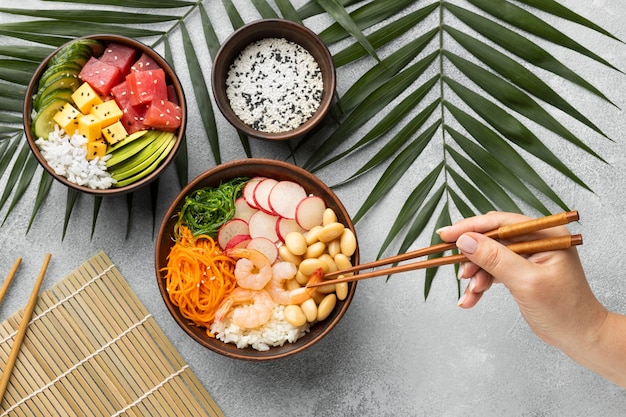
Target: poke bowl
104	114
275	206
274	79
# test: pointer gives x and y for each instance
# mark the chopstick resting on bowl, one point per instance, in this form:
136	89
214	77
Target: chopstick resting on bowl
503	232
21	331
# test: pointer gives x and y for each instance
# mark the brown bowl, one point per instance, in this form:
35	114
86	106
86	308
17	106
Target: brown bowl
212	178
171	78
273	28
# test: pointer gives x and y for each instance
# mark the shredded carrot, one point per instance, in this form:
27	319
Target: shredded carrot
198	277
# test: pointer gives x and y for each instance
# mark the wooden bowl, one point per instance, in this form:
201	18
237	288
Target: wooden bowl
212	178
171	78
273	28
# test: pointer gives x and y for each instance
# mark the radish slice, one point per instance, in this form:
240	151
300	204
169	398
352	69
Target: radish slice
263	225
238	241
248	190
230	229
285	197
286	226
310	212
243	210
262	193
265	246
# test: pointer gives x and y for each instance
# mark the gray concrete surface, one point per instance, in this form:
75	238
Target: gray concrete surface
394	354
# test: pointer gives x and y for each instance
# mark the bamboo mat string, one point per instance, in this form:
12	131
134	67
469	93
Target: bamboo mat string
49	309
147	394
95	347
75	366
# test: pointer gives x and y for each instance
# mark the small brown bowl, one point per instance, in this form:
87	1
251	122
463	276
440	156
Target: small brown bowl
170	77
273	28
212	178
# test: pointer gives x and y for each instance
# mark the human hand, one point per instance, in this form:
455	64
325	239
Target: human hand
550	288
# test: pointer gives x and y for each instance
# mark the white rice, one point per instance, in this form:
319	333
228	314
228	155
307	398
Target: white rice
274	85
276	332
67	156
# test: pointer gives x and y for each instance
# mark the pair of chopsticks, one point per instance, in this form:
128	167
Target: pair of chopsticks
504	232
21	331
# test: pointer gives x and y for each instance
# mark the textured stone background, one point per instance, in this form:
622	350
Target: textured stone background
394	354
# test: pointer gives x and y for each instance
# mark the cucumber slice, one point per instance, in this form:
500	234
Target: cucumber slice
43	122
79	52
62	93
61	82
54	71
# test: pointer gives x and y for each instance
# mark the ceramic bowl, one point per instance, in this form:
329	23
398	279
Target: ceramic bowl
212	178
170	78
265	29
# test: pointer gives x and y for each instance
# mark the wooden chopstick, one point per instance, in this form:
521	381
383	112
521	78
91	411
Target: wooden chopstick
9	278
503	232
527	247
21	331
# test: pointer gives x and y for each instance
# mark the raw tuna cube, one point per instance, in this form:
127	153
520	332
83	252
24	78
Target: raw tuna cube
145	62
133	116
171	94
101	76
146	86
163	115
121	93
121	56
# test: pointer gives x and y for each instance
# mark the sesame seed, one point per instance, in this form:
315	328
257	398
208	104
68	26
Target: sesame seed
272	85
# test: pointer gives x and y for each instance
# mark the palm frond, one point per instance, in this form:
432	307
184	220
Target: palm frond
201	94
141	4
97	16
482	107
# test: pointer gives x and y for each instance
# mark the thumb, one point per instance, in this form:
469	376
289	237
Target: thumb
500	262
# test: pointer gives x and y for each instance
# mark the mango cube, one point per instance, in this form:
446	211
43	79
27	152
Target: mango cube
90	127
66	118
85	98
114	133
108	112
97	148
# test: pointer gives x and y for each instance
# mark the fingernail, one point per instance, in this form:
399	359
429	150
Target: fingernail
467	244
441	229
461	269
472	284
461	300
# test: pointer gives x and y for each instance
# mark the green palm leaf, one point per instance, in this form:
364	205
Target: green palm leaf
520	46
201	93
97	16
341	16
42	192
143	4
473	85
526	21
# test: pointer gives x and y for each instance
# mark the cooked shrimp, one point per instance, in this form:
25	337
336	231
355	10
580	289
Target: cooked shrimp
281	272
253	270
251	308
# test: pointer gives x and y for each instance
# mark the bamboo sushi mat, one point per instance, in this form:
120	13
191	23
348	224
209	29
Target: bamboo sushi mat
92	349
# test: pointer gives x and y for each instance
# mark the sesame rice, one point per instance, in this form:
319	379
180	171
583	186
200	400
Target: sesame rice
67	156
274	85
